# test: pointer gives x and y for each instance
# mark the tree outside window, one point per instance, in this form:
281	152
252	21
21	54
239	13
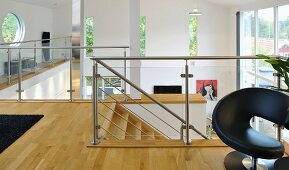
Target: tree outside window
193	30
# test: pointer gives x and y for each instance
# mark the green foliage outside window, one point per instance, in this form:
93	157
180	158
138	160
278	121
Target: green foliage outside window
193	28
284	29
10	27
89	35
142	36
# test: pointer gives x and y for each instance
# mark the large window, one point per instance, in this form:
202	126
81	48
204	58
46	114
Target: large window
263	33
193	30
12	28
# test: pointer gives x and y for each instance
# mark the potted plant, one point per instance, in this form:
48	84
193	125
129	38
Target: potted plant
281	66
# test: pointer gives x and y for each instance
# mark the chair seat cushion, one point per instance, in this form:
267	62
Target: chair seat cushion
254	143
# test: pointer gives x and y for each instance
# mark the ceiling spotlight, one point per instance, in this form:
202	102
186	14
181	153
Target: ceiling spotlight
195	12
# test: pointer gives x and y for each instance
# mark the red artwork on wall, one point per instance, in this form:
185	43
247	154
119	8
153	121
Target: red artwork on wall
208	89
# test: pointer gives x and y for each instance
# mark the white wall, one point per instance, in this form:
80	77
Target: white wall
62	20
111	21
36	20
168	31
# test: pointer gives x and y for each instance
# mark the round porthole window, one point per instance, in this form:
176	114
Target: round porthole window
13	29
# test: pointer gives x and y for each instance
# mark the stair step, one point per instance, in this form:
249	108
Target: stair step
133	130
144	126
119	125
108	113
148	135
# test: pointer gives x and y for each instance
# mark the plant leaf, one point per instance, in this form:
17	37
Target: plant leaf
262	56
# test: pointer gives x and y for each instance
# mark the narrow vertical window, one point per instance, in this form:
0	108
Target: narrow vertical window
283	31
142	36
247	48
89	35
193	30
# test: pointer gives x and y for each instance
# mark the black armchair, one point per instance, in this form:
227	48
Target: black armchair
231	121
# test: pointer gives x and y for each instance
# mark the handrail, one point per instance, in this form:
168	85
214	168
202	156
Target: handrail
71	47
28	41
148	96
174	58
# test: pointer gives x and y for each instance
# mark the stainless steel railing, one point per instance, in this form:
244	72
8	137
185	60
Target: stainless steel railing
19	59
185	122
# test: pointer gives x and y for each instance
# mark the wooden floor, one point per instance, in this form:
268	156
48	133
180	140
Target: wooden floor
59	141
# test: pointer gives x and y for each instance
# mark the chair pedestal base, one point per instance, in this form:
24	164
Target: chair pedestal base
238	161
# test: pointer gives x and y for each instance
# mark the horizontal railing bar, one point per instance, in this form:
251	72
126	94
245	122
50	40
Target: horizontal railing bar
71	47
18	42
178	57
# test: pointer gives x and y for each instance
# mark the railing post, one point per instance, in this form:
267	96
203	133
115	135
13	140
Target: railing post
95	125
279	128
70	78
187	103
65	50
9	66
35	62
19	77
124	83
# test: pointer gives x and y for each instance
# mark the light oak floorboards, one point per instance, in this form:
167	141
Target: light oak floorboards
59	140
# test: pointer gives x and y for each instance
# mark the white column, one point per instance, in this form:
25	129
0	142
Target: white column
135	75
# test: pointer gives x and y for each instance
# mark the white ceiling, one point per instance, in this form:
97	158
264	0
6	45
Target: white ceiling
231	3
44	3
54	3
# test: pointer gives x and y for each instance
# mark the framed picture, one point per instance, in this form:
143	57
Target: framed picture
208	89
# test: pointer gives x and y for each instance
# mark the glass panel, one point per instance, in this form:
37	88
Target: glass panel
8	88
283	31
45	72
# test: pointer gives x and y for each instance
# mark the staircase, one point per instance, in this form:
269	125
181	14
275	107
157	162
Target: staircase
118	123
122	129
